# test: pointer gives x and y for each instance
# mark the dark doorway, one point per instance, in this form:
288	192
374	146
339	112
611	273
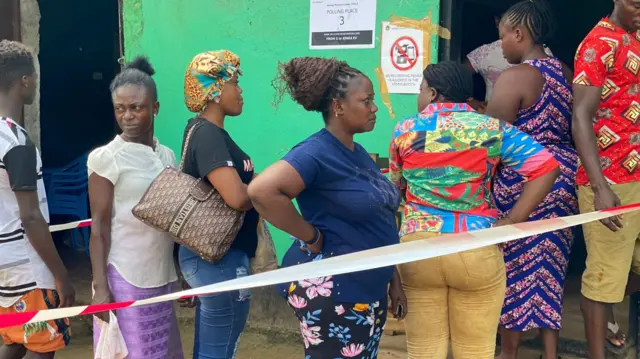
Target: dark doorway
79	51
474	25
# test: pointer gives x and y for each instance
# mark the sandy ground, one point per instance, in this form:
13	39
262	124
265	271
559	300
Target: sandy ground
255	345
260	345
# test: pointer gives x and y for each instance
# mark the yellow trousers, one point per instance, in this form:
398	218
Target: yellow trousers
453	300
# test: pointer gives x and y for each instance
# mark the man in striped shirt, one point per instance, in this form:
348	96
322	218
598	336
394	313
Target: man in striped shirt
32	275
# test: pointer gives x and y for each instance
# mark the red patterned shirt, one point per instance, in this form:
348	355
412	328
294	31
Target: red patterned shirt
609	57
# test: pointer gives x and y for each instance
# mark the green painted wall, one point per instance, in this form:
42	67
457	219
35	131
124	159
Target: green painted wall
261	32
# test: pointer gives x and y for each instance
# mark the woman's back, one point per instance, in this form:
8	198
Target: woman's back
548	121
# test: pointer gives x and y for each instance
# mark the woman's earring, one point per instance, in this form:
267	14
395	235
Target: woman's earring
216	99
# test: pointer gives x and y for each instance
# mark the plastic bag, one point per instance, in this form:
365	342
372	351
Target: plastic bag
111	344
265	259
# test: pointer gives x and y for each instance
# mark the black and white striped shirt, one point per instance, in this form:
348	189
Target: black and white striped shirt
21	268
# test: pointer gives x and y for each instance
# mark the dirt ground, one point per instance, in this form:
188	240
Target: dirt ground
260	345
255	345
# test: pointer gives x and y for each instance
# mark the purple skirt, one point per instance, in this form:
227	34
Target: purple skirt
150	332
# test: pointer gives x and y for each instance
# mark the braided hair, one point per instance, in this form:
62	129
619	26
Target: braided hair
137	72
536	16
16	60
314	82
452	81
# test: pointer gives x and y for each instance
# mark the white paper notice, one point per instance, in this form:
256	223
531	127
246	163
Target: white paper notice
401	58
342	24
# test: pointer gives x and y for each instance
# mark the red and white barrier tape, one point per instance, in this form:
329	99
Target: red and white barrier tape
354	262
72	225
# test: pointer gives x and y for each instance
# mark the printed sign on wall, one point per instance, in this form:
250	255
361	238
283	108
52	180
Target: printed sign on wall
402	58
342	24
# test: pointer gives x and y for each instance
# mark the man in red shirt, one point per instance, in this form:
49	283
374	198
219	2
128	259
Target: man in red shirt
606	129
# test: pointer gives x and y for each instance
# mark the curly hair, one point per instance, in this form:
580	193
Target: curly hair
314	82
16	60
137	72
536	16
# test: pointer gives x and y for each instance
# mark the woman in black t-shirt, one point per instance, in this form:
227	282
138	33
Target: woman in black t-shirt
211	90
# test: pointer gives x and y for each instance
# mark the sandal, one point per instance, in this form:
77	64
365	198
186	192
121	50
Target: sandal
615	339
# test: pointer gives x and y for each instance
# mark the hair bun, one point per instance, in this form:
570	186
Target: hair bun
141	63
307	79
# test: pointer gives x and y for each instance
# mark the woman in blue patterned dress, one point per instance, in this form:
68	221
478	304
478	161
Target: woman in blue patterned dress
536	97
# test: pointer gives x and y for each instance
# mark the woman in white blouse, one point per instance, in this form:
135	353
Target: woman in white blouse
130	260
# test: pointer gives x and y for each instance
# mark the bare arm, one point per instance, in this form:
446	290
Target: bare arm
21	165
272	193
515	89
533	193
38	233
209	148
101	201
228	183
534	163
585	105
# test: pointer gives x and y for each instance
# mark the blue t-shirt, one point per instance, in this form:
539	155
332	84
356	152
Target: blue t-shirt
352	204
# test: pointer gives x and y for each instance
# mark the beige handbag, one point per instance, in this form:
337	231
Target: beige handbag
191	211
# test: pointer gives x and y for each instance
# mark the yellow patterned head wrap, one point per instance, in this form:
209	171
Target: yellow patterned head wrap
206	75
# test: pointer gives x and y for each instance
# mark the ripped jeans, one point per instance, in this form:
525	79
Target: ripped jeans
220	318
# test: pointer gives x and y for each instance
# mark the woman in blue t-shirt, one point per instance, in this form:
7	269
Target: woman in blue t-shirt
347	205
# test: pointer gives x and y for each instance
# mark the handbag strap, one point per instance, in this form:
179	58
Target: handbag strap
186	145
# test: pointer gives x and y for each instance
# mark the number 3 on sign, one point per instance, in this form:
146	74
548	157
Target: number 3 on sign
341	20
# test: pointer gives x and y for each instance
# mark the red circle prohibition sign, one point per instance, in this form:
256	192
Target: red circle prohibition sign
410	62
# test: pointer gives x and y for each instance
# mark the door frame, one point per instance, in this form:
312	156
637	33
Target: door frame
121	33
12	7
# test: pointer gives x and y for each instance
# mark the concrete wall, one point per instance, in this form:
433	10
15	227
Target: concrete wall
262	33
30	32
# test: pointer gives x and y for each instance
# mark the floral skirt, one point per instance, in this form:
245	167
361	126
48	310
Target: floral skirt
336	330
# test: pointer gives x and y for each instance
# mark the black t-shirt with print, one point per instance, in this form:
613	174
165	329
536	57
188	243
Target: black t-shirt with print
211	147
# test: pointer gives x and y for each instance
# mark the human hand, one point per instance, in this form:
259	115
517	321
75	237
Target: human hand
102	295
605	198
506	221
315	248
66	292
479	106
187	302
398	301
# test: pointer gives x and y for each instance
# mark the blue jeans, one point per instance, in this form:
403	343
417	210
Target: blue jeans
220	318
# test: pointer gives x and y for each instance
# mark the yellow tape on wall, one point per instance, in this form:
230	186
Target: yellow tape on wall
428	29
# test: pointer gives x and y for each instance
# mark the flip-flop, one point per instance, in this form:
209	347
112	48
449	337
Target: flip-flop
614	329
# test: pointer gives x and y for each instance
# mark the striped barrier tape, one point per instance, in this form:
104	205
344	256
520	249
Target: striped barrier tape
72	225
348	263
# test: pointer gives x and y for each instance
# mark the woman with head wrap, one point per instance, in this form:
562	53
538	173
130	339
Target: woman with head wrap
444	160
211	91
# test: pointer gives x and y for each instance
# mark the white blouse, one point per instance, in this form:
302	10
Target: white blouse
142	255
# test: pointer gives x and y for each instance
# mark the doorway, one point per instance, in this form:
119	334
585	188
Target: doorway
80	44
473	25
